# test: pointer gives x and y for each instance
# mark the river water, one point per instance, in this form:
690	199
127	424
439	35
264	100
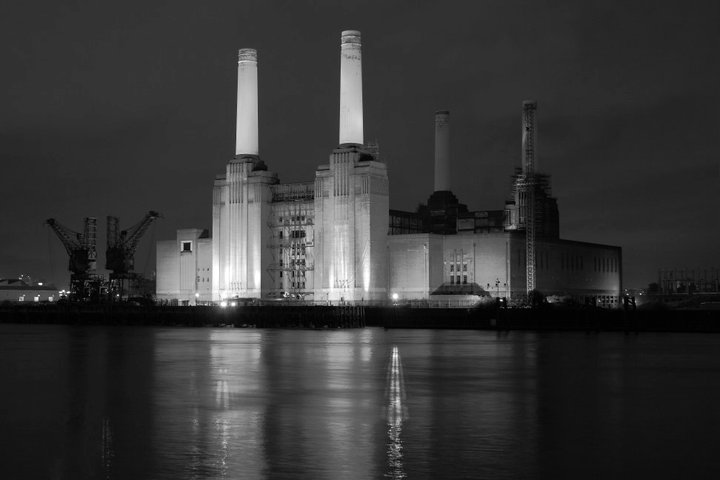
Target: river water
174	403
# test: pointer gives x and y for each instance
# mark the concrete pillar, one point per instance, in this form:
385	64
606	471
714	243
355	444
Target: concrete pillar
351	105
442	151
246	140
529	144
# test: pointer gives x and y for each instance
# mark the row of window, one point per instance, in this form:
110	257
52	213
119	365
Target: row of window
607	300
455	279
294	263
606	264
293	234
294	273
295	250
293	218
573	263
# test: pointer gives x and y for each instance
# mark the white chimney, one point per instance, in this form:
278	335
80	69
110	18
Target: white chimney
351	106
246	140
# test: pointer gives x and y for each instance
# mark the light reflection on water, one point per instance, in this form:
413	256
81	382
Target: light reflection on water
115	403
396	414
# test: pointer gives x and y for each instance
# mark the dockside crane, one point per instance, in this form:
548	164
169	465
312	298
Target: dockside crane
81	247
120	253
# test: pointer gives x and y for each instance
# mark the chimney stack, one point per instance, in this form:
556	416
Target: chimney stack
529	135
442	151
246	140
351	106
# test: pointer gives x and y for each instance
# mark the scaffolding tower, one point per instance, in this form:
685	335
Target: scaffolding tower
291	249
529	184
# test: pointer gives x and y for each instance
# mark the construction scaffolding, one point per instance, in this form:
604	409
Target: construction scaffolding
530	208
291	250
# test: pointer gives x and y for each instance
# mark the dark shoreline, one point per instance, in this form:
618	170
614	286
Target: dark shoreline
302	316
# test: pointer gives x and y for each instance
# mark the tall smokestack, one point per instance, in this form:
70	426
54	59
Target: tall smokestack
246	140
529	147
442	151
351	106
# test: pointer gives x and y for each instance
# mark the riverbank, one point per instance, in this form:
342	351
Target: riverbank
301	316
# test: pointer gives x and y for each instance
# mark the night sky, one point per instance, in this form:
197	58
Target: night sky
124	107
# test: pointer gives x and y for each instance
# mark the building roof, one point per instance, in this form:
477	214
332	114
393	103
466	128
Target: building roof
17	284
460	289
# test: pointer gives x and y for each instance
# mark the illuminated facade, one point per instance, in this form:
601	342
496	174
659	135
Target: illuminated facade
327	238
335	239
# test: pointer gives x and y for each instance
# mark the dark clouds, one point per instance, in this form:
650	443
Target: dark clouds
125	108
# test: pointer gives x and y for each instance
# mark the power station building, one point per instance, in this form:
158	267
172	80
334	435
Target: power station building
335	239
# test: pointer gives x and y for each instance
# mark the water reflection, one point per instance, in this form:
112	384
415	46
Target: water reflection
107	447
271	404
210	406
396	414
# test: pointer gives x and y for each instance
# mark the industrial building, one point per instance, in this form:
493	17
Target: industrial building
16	290
335	239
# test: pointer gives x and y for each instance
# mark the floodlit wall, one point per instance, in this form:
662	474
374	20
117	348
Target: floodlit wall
351	217
477	258
184	268
409	266
241	209
420	263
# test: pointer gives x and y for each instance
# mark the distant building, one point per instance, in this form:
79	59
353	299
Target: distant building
335	239
689	280
15	290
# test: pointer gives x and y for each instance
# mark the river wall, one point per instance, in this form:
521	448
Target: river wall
301	316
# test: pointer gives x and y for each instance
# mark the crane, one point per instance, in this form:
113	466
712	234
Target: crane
81	247
121	246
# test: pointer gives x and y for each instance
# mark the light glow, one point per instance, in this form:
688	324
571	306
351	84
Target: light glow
396	414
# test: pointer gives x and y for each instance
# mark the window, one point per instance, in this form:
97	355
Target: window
186	247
